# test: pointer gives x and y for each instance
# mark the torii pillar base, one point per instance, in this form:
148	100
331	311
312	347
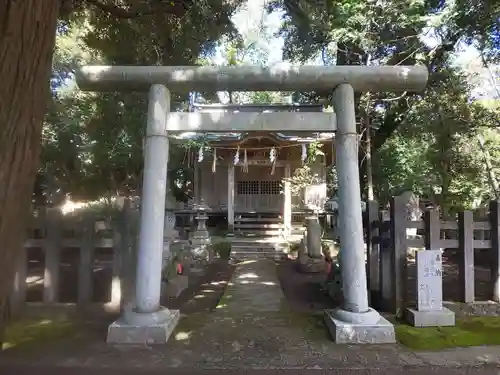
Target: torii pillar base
366	328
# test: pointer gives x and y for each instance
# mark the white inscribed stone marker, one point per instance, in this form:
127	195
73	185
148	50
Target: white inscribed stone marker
429	280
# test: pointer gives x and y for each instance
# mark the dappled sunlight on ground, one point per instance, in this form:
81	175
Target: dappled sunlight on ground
304	292
253	325
181	336
204	293
28	332
254	288
248	276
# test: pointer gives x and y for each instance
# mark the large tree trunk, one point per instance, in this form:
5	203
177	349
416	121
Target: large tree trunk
27	36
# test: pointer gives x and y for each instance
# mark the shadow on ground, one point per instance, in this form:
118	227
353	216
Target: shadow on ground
304	292
56	329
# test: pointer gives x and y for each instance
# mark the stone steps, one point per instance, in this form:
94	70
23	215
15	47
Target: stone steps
258	224
245	249
263	225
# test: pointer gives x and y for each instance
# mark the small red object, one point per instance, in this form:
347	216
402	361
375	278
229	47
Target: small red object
179	269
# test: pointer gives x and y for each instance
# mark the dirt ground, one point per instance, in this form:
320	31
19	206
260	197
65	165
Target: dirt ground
204	294
303	291
291	335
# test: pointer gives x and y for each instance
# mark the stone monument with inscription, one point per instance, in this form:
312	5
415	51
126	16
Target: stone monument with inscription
429	311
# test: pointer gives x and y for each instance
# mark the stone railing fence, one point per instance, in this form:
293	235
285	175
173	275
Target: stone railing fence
388	245
76	259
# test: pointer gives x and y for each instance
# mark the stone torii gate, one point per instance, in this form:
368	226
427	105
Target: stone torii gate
148	322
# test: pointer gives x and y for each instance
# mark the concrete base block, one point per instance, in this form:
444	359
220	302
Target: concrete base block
438	318
312	265
380	332
146	329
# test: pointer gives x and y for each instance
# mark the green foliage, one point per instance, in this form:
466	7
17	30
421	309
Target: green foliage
421	142
427	143
306	175
93	143
222	249
435	151
303	177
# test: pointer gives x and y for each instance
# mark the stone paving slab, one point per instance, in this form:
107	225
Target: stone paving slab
254	287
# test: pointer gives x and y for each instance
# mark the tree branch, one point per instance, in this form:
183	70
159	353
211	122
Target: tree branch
172	7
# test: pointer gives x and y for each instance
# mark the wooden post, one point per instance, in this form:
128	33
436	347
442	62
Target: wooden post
466	256
399	254
230	198
197	180
54	230
432	230
18	294
287	203
85	271
495	250
373	249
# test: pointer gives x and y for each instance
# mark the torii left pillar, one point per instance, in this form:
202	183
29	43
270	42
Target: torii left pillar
148	322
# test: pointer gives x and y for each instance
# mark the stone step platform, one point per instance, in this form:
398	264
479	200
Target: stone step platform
249	218
258	232
253	224
257	248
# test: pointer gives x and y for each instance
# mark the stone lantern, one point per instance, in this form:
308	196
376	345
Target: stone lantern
200	239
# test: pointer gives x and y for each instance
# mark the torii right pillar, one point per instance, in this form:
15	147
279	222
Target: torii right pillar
355	322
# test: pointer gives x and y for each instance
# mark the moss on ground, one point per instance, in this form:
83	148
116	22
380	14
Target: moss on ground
311	325
192	322
473	331
26	333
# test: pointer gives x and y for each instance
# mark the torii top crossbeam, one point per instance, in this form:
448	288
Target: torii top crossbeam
282	77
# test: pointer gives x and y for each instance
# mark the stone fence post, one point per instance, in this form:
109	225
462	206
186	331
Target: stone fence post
399	255
495	250
87	249
466	256
127	227
373	250
54	232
